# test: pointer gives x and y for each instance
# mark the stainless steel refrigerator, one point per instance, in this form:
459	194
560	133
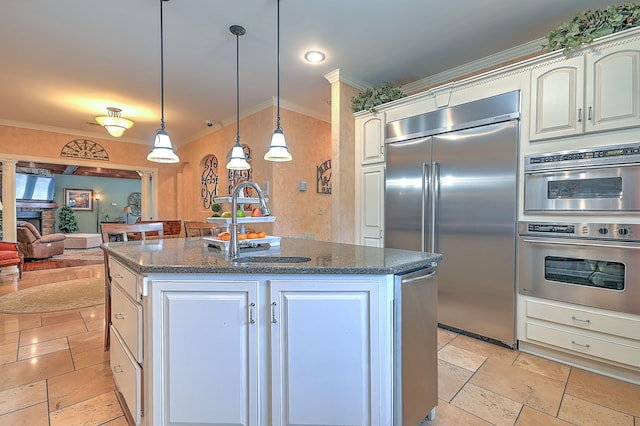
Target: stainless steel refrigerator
451	189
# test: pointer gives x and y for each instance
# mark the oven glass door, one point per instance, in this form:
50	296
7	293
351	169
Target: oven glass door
607	189
601	274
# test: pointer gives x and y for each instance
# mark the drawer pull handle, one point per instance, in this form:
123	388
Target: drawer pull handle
120	316
118	369
118	275
251	306
273	313
579	115
585	345
587	321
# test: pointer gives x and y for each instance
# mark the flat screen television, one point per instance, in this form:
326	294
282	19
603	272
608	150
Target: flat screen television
34	187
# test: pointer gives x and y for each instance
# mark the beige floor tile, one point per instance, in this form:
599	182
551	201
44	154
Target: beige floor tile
532	389
120	421
605	391
461	357
581	412
86	358
37	349
451	379
51	318
486	349
548	368
93	318
87	341
10	323
50	332
8	353
68	389
7	338
487	405
449	415
530	417
444	337
22	397
35	415
95	411
35	369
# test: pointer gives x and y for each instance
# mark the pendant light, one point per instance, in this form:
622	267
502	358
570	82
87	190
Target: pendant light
278	149
114	123
237	160
163	151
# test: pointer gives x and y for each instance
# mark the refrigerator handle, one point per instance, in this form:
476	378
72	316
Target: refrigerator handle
435	196
426	184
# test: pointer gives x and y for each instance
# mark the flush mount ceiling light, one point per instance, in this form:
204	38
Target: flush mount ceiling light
314	56
278	149
237	160
163	151
114	124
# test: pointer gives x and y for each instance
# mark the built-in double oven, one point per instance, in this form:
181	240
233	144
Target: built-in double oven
583	262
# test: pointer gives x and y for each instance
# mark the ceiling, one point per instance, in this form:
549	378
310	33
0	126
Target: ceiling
65	61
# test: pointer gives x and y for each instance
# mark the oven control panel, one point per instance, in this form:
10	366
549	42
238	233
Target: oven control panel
616	154
599	231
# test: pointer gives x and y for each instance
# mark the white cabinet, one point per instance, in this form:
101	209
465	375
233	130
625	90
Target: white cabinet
596	90
309	350
126	348
370	138
369	167
371	212
324	352
210	360
605	336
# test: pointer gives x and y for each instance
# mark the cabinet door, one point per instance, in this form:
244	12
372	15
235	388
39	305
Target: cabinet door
557	94
370	135
325	352
210	355
613	89
372	206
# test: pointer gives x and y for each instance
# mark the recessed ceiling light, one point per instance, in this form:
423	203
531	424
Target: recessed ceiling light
314	56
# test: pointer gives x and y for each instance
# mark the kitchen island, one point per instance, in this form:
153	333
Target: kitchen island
308	332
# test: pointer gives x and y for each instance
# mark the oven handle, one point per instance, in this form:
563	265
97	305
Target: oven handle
580	167
571	243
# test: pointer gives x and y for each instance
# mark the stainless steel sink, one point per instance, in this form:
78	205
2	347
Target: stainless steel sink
273	259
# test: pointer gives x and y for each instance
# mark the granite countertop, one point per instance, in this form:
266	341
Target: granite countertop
193	255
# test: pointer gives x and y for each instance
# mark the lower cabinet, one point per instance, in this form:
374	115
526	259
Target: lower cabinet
313	351
610	338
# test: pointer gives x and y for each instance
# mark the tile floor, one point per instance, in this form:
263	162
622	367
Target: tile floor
53	371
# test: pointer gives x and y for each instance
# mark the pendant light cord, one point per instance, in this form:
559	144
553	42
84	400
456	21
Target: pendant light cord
237	88
161	67
278	67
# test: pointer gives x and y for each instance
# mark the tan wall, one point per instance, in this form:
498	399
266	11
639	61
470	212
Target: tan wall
309	142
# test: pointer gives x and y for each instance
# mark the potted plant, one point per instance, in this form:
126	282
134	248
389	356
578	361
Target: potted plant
588	26
375	96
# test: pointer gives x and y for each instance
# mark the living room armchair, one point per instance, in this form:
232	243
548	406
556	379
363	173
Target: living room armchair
10	256
32	245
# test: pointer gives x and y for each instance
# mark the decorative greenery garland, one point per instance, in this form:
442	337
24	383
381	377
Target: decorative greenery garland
374	96
588	26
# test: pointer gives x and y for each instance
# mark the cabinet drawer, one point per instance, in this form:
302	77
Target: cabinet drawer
126	317
590	345
586	319
125	278
127	375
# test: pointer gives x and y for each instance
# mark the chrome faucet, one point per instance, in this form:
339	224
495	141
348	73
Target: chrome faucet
264	209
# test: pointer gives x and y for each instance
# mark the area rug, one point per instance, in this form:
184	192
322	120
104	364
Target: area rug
61	296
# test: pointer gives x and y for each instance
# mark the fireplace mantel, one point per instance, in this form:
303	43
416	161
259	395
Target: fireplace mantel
37	205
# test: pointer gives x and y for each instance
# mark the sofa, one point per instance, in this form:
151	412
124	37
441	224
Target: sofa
10	256
32	245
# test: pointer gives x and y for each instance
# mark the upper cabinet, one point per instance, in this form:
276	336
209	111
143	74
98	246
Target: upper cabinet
595	91
370	139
